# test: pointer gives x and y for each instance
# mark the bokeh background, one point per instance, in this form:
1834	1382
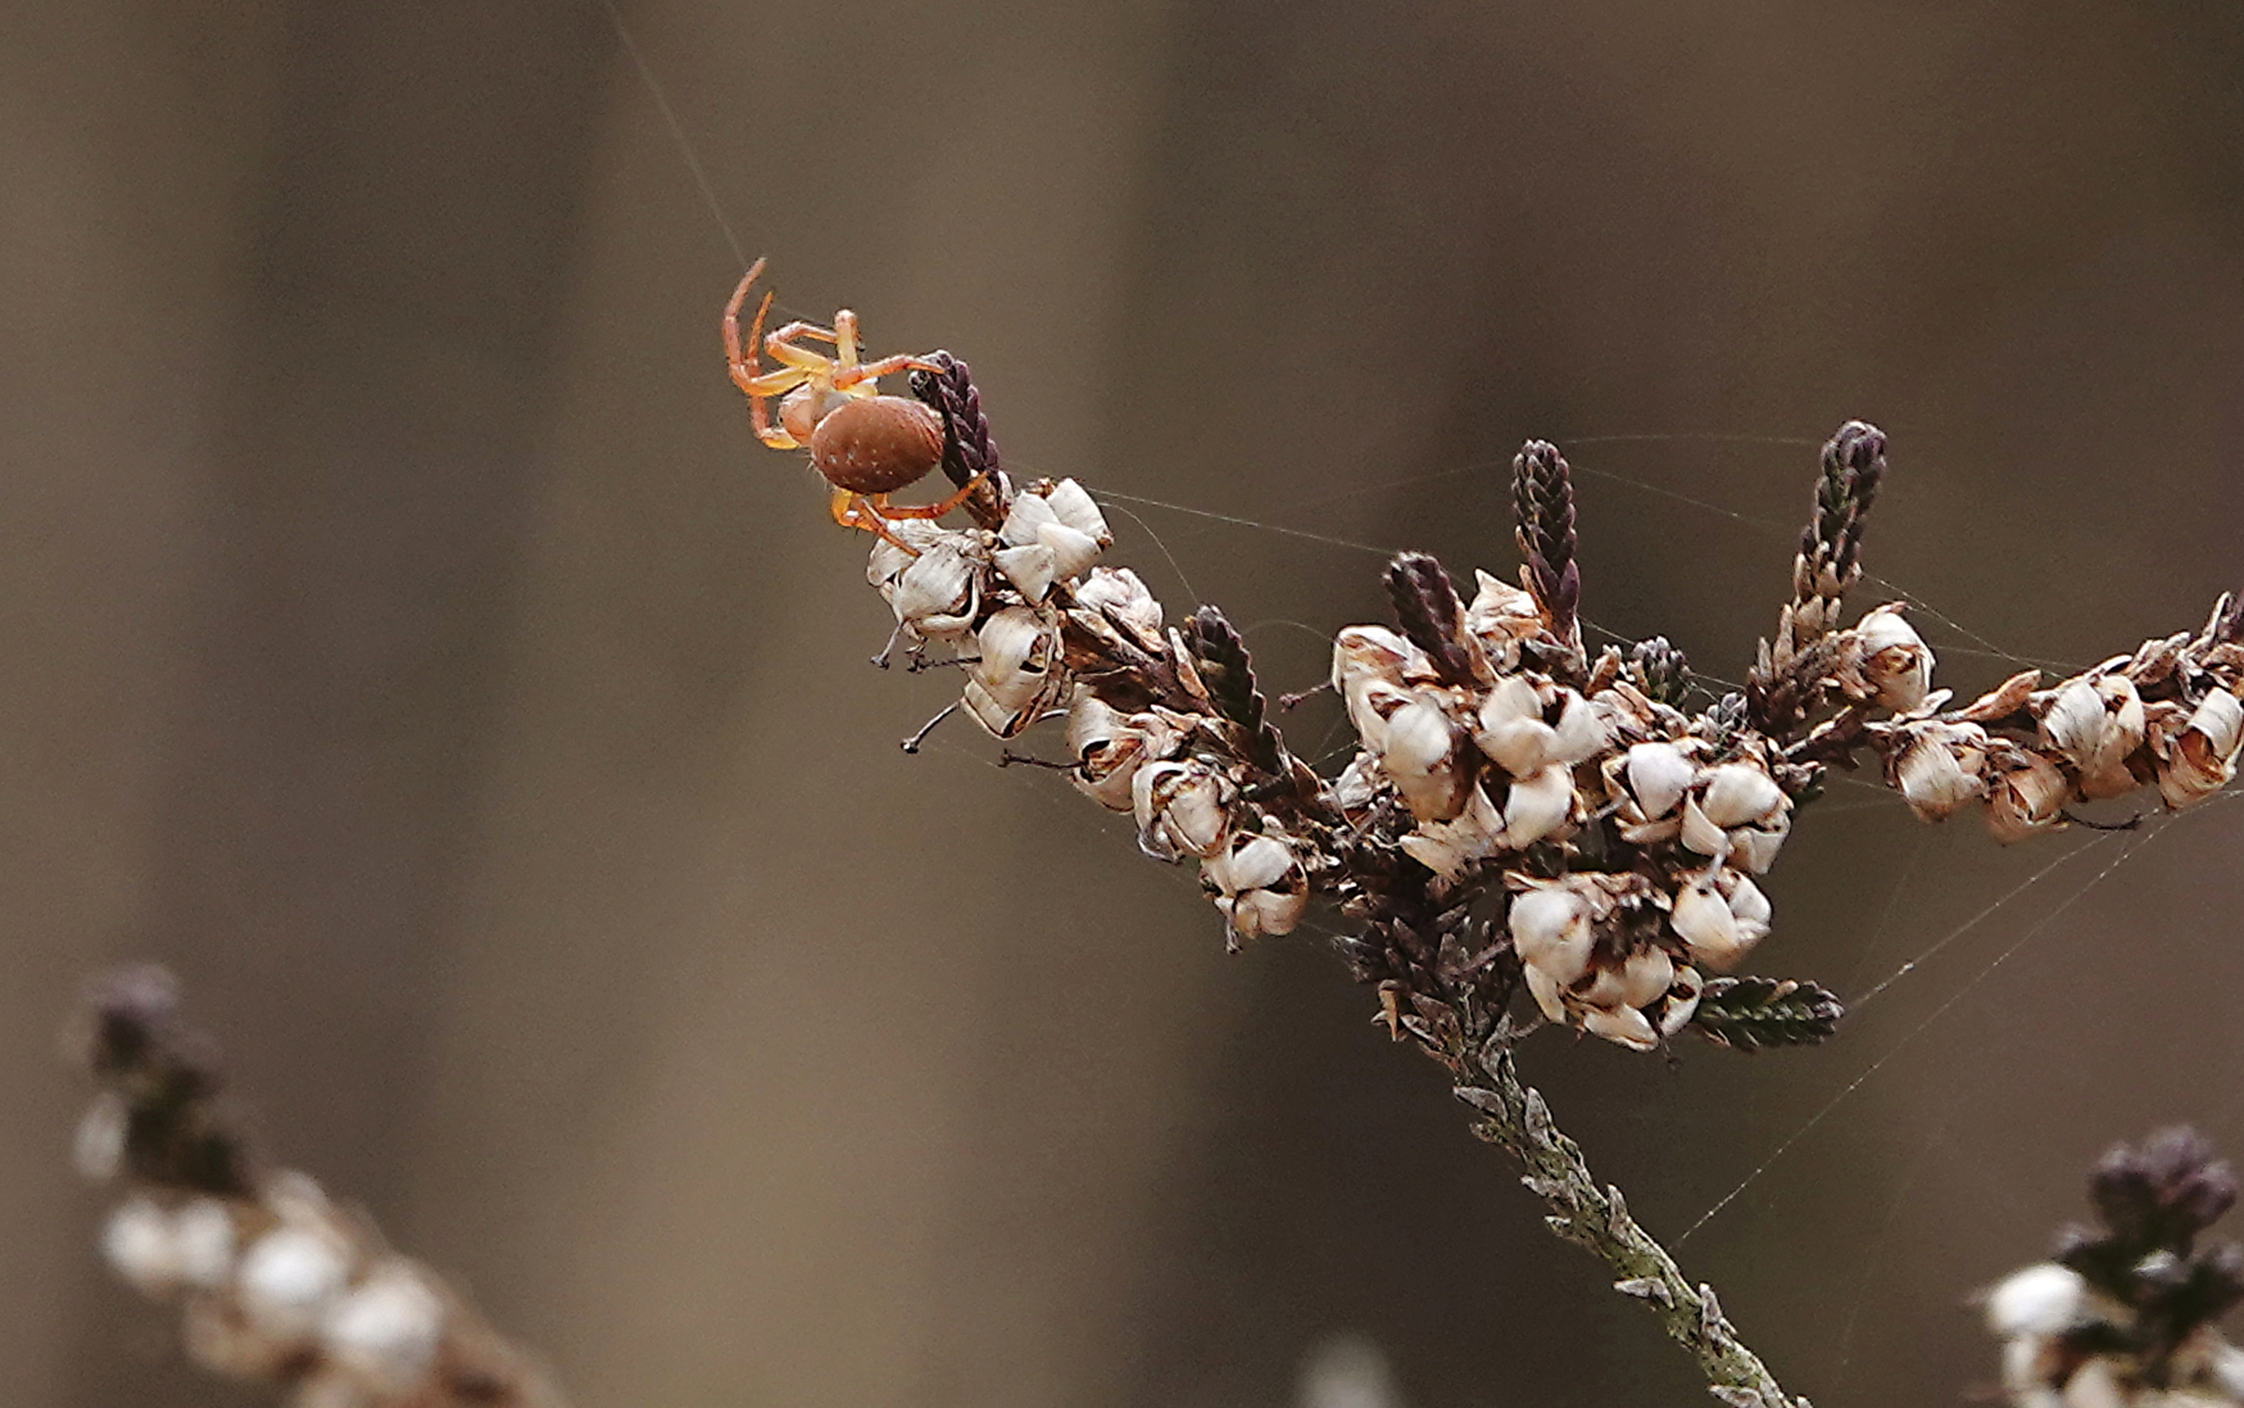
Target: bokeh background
403	637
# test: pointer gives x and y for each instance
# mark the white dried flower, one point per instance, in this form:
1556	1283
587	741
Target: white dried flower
1501	616
1938	770
1645	977
289	1276
1511	729
2026	793
1018	675
1550	928
98	1149
2096	722
1444	847
1658	775
1896	663
1538	806
139	1244
937	594
1420	749
1074	507
2202	758
1582	729
1258	884
387	1328
1030	568
1371	663
1740	794
2045	1299
1116	592
1109	746
1183	809
203	1234
1705	923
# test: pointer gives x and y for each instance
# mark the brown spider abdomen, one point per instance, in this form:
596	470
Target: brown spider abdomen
877	445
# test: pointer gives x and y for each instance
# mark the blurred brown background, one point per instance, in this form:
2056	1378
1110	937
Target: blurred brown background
405	639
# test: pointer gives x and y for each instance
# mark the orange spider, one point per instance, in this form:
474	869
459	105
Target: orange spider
867	445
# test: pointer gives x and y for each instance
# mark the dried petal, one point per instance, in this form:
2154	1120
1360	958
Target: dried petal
1622	1025
1072	552
1739	794
1512	731
1938	770
1029	568
1073	506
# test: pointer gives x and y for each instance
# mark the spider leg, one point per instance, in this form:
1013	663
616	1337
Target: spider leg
932	510
867	511
845	344
733	356
863	372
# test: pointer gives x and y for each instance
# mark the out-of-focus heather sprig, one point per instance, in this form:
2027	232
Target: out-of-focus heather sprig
276	1283
2123	1316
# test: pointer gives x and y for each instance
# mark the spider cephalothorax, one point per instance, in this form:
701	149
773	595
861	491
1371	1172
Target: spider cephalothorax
867	445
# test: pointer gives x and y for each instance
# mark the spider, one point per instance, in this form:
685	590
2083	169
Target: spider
867	445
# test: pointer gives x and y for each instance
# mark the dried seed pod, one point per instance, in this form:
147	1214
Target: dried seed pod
1719	915
2201	759
1074	507
1018	675
1183	809
1658	775
1737	812
1258	883
1372	668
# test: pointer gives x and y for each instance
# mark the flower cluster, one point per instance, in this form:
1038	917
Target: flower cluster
277	1284
2123	1316
1519	814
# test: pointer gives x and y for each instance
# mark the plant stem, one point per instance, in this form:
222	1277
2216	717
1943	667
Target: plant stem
1514	1116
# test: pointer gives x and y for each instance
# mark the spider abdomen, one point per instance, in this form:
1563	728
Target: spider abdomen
877	444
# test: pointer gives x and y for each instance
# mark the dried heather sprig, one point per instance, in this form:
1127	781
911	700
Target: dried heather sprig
276	1283
1543	525
1782	686
968	450
1517	816
1747	1014
1660	670
2124	1313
